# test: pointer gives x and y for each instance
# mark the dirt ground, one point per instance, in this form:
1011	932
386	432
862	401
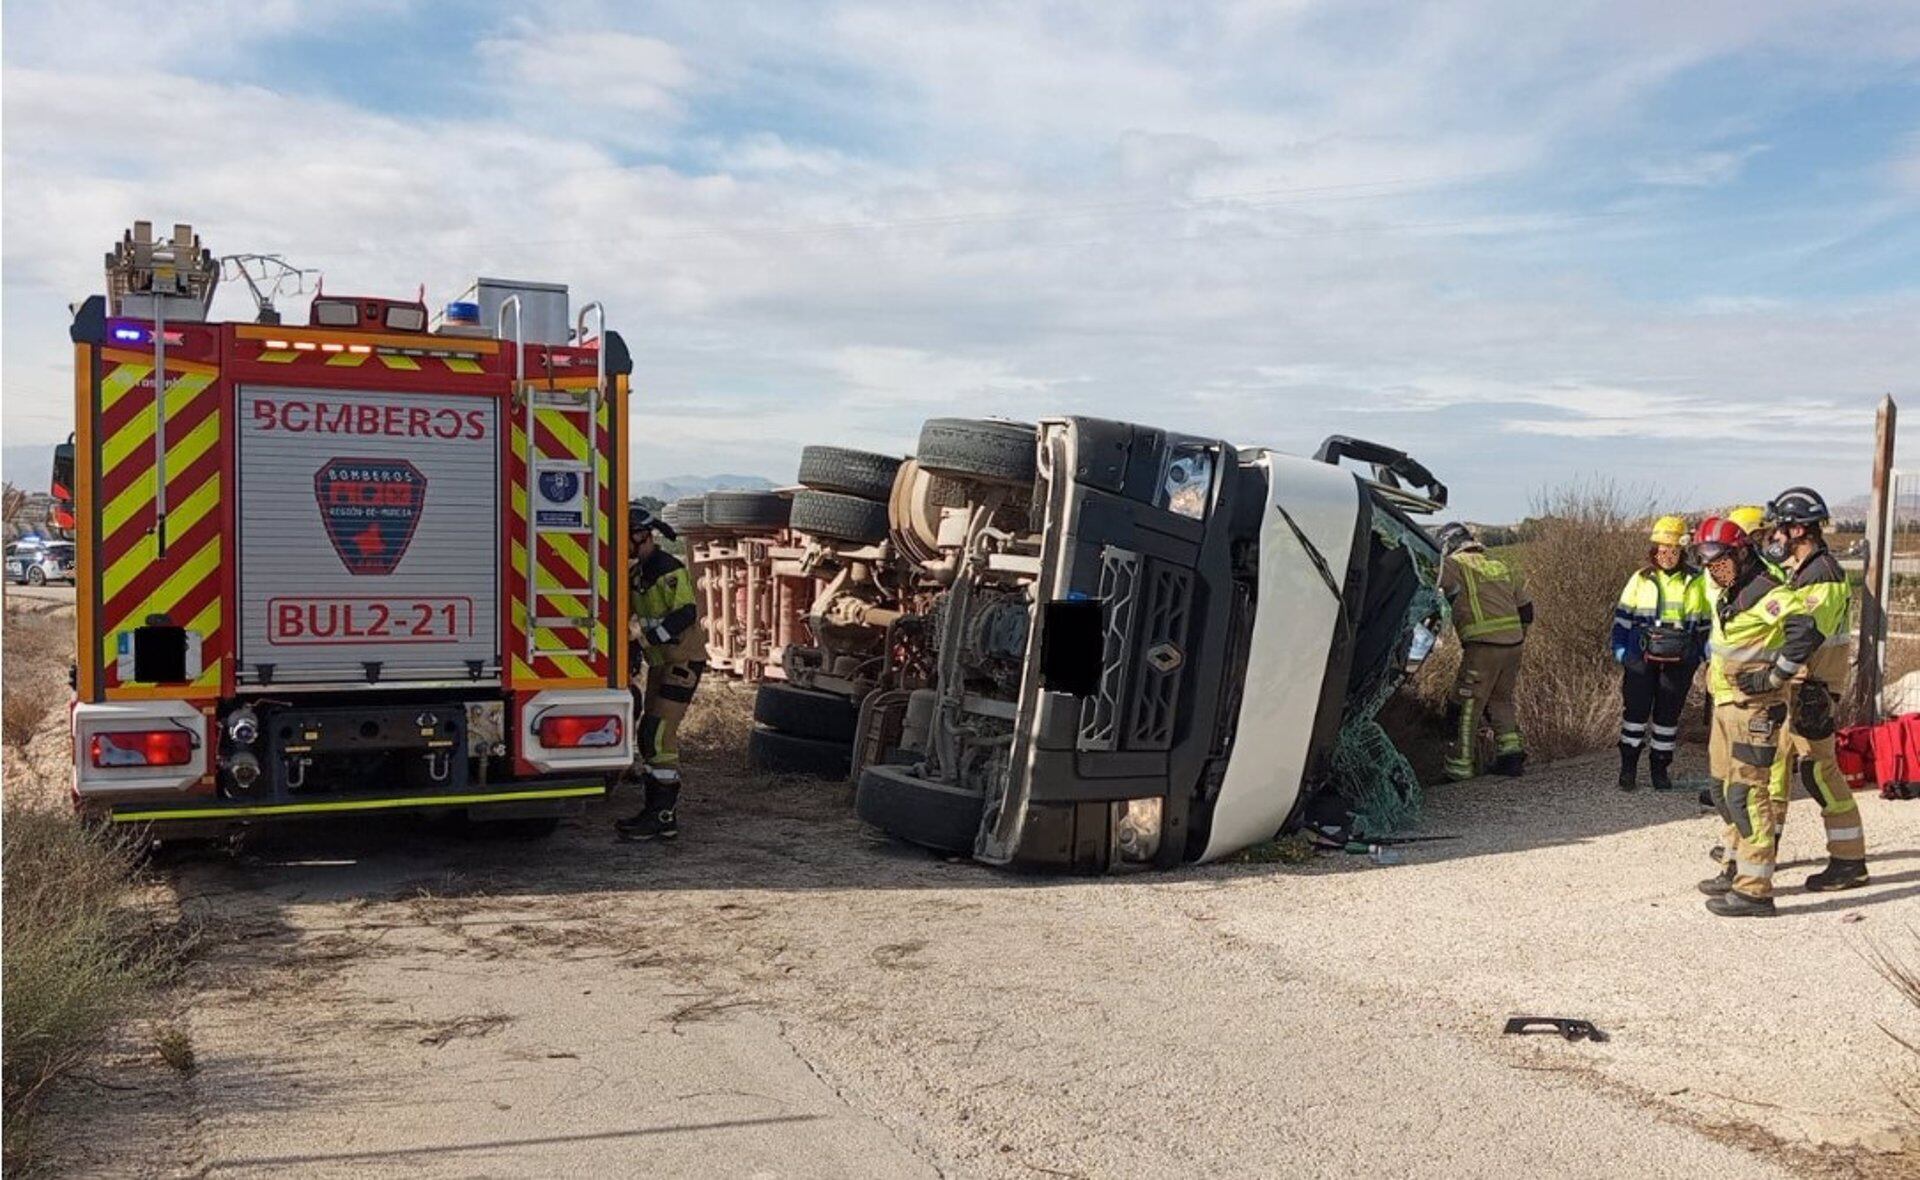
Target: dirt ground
785	993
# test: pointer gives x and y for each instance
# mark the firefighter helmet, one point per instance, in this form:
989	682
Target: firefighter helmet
1798	506
1453	535
1718	537
1749	517
641	520
1669	530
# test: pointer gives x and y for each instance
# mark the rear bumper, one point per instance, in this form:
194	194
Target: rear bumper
522	799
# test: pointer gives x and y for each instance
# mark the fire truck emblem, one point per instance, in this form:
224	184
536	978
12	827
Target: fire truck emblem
559	487
370	508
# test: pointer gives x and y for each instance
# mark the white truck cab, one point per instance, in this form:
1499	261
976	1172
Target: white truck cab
1145	656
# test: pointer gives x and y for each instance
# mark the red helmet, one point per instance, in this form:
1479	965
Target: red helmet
1718	537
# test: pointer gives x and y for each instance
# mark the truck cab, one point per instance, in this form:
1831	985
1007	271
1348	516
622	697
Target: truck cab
1146	653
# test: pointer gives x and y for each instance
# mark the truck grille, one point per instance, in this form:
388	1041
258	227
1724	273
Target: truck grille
1163	643
1148	607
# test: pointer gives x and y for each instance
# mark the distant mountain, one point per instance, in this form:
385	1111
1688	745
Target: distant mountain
675	486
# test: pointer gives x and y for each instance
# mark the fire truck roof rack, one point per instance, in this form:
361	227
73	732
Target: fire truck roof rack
171	279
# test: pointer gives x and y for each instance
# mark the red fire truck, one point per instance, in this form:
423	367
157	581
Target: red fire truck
362	565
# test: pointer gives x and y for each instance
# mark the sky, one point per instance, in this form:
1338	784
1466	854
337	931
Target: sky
1671	246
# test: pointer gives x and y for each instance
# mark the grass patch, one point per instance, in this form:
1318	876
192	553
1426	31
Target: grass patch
79	955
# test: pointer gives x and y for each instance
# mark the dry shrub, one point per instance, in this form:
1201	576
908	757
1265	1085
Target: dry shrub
717	724
1578	549
78	955
38	648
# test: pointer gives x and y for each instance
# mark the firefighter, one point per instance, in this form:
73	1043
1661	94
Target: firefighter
1752	518
669	641
1816	671
1491	613
1659	636
1750	644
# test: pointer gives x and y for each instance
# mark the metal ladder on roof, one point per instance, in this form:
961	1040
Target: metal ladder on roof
583	405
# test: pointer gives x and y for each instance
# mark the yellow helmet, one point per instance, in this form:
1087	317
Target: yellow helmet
1748	517
1669	530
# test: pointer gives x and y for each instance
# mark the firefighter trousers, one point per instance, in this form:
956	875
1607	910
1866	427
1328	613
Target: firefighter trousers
1651	699
1489	675
1746	739
1807	755
663	701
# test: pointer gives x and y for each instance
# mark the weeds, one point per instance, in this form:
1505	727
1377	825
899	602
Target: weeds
37	644
175	1046
78	956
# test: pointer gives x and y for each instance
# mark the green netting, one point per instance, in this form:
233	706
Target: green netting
1369	771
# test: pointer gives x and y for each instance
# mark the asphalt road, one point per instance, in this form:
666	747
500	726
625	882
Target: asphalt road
783	993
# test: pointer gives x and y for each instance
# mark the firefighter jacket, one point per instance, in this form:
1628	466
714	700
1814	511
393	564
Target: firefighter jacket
1750	630
666	616
1826	599
1487	596
1674	598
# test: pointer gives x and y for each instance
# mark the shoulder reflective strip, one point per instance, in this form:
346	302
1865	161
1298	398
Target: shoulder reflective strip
1749	868
398	362
127	817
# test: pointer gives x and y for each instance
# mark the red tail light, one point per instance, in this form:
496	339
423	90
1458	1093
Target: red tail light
143	747
575	730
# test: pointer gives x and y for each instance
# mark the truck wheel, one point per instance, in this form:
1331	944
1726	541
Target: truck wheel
839	518
746	510
978	449
851	473
920	811
805	712
687	514
783	753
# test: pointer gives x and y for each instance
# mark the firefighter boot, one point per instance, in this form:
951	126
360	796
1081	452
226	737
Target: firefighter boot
657	820
1657	768
1629	767
1838	875
1512	764
1719	886
1733	904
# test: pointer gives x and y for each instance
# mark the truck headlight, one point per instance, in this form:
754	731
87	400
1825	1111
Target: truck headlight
1136	829
1187	485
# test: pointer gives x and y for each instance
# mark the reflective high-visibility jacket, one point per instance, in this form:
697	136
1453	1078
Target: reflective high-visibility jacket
1825	599
1488	597
1677	598
1750	630
666	617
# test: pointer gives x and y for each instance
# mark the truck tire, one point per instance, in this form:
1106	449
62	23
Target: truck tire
920	811
746	510
783	753
851	473
687	514
839	518
805	712
978	449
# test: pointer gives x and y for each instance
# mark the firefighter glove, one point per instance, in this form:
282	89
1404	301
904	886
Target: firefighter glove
1756	681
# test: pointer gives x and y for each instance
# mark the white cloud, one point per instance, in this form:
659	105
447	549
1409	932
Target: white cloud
1266	223
606	71
1698	169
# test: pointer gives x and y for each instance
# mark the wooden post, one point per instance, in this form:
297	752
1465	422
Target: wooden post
1869	651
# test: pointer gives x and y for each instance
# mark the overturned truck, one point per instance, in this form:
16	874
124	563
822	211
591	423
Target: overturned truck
1116	646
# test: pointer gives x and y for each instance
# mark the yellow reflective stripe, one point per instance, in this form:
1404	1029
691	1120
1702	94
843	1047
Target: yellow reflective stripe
278	356
191	510
1488	626
190	574
349	360
179	458
180	391
393	361
558	422
462	365
115	385
127	817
